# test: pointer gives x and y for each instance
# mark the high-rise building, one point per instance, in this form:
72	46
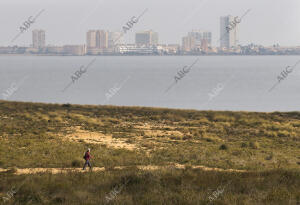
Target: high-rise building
201	36
102	39
188	43
197	35
207	36
97	39
91	39
229	38
38	39
146	38
115	38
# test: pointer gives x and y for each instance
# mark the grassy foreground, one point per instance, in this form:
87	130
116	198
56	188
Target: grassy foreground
157	187
35	135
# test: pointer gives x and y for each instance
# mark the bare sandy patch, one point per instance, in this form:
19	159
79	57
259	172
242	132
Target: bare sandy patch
79	135
154	131
98	169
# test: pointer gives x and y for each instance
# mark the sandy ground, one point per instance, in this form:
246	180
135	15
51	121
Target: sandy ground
79	135
97	169
154	131
99	138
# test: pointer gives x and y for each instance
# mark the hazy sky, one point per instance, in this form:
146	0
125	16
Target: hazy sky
66	21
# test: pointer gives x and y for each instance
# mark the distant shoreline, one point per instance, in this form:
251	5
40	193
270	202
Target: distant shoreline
150	55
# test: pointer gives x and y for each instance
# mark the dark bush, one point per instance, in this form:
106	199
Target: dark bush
223	147
66	105
76	163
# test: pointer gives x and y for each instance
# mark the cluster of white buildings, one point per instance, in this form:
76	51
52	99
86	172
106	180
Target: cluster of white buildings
201	41
105	42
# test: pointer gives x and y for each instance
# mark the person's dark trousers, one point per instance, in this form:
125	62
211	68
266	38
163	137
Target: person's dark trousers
87	162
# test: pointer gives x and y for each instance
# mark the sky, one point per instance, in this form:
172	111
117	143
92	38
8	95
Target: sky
66	21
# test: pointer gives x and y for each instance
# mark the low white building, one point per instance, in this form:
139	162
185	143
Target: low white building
134	49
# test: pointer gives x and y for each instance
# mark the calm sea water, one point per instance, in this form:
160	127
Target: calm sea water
213	83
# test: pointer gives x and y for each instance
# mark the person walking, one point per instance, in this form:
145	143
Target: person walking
87	157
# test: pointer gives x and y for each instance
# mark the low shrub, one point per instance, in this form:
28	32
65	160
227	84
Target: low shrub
223	147
76	163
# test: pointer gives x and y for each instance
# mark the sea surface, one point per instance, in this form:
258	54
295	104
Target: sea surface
213	83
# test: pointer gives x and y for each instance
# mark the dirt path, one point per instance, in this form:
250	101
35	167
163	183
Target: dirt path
97	169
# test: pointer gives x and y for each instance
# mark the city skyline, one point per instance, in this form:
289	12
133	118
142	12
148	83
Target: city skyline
196	42
111	36
71	28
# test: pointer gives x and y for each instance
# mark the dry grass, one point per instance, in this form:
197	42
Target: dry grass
55	136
